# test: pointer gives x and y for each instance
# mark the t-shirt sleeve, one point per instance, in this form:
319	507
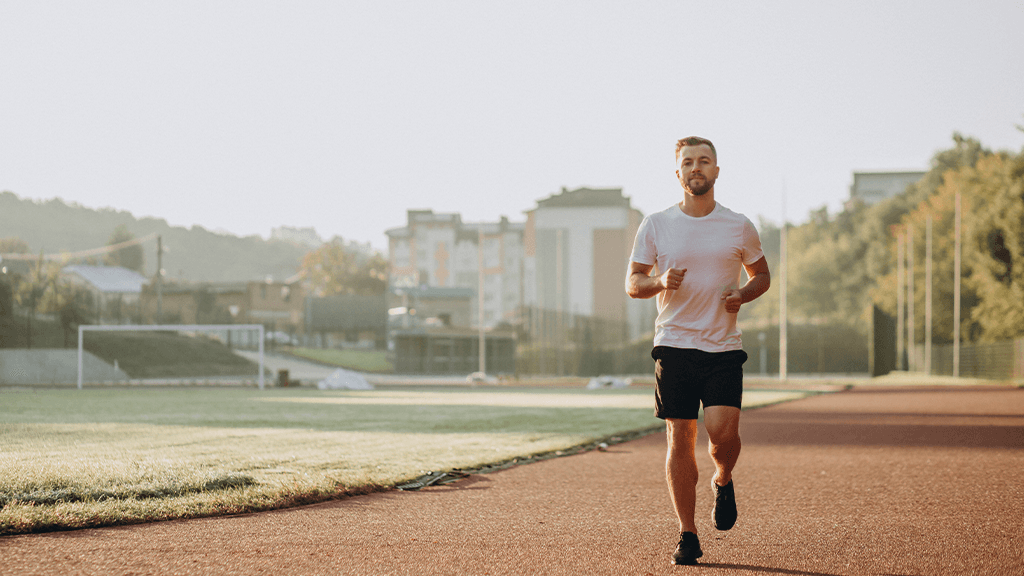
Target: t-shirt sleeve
644	250
751	243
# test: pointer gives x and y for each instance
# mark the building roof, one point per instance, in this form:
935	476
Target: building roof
465	230
211	287
871	187
429	216
435	292
109	279
403	232
581	197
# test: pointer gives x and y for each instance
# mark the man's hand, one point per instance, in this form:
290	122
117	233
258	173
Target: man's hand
672	278
733	300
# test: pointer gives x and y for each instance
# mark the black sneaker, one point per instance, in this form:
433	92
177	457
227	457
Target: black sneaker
724	513
688	550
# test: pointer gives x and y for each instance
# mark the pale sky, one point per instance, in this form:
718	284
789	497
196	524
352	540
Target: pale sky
341	115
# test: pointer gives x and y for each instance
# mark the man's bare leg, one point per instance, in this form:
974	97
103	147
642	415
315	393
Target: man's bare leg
681	470
723	426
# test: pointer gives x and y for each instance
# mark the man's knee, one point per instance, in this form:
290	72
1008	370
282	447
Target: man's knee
682	434
722	424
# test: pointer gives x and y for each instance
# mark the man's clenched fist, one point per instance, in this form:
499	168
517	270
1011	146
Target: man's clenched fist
672	278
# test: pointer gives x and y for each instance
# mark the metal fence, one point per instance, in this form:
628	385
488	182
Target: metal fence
993	360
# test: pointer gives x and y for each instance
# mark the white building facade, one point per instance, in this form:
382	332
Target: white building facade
577	248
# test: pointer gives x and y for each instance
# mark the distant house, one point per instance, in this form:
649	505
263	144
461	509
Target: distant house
276	305
872	187
115	290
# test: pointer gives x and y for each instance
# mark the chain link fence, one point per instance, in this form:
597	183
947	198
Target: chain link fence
990	360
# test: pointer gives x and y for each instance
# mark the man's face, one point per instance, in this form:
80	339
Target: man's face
697	169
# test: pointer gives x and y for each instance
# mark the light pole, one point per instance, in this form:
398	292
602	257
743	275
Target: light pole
957	246
783	312
911	355
928	297
480	298
900	304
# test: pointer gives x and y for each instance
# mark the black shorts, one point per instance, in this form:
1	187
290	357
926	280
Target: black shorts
687	377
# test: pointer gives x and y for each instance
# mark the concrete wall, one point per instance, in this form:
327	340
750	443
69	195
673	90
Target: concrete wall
53	366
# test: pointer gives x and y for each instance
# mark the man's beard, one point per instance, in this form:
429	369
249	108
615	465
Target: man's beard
700	188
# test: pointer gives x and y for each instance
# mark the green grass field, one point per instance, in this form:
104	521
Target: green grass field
106	456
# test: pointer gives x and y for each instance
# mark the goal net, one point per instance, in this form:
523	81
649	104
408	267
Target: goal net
194	348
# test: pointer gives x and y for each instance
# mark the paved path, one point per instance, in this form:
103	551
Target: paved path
872	481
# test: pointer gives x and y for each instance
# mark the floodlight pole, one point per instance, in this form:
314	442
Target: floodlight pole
911	315
480	298
783	311
928	297
900	304
559	313
956	287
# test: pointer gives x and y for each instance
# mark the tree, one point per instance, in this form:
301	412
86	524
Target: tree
840	264
994	235
13	245
131	256
992	190
335	268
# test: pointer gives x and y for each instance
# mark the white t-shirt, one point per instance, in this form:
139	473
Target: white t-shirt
712	250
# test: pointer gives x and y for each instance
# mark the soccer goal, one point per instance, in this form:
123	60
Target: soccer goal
212	328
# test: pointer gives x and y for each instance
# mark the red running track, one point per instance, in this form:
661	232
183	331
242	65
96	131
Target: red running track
870	481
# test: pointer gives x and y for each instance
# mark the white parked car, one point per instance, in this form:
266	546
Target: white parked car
280	337
480	378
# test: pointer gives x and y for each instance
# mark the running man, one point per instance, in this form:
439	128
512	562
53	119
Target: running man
698	247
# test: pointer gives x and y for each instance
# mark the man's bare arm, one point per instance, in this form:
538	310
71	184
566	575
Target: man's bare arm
757	284
640	284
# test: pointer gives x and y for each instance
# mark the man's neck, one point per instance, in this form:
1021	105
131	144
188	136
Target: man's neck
698	206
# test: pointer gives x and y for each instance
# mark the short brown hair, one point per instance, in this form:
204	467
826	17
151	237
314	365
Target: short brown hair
695	141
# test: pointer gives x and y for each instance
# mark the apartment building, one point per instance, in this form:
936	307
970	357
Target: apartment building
576	246
439	250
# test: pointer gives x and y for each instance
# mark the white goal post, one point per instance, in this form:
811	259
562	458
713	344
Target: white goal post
167	328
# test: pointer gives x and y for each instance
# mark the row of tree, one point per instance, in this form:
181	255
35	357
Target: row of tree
339	268
991	188
841	264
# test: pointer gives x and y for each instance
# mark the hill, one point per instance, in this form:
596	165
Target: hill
192	254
